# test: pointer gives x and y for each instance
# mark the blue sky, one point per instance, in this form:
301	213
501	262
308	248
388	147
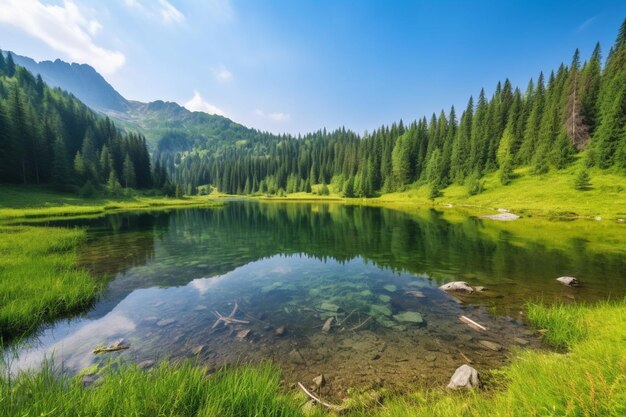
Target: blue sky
296	66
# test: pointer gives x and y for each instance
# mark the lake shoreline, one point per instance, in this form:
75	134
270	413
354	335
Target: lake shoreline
521	388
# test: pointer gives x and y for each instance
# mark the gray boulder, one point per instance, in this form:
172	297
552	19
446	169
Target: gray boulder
465	377
569	281
460	286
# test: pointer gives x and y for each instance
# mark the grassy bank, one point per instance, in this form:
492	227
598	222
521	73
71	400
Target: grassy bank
36	202
587	380
548	195
39	280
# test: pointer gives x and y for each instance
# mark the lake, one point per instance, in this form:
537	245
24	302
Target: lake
290	268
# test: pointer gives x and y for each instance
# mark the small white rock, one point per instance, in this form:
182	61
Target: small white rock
464	377
569	281
457	286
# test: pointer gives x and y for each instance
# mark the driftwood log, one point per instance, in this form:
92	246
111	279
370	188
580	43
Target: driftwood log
228	320
333	407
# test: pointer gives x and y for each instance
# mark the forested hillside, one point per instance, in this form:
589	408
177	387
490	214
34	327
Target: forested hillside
579	108
47	136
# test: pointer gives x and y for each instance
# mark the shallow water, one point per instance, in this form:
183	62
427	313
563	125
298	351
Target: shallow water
296	265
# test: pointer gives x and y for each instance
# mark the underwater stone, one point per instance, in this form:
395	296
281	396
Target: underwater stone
461	286
319	381
326	306
380	310
145	364
487	344
165	322
569	281
296	357
409	317
384	298
390	288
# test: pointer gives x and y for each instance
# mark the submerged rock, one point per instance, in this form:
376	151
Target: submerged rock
319	381
165	322
464	377
145	364
296	357
390	288
199	349
280	331
243	334
520	341
460	286
487	344
384	298
409	317
326	306
569	281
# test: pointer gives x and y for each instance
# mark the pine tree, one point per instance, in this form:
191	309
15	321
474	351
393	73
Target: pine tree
583	181
506	172
60	165
129	173
9	66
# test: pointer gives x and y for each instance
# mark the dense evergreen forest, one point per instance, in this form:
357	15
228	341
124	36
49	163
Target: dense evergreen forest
580	107
47	136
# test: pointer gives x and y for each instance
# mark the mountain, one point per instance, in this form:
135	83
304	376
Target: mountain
79	79
167	126
48	136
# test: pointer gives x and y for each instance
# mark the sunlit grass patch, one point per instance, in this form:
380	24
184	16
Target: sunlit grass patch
39	279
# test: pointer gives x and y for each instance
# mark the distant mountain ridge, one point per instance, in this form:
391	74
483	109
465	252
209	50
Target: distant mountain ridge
158	120
81	80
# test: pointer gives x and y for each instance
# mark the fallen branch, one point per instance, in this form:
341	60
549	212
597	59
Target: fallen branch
328	324
319	401
228	319
341	323
473	324
468	360
358	326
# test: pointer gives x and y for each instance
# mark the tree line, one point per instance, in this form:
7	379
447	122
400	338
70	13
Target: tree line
578	109
47	136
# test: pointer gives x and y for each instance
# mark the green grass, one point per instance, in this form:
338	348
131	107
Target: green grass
38	277
552	194
184	390
38	202
588	380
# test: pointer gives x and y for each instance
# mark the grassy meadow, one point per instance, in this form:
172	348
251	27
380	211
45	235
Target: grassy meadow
548	195
37	202
39	280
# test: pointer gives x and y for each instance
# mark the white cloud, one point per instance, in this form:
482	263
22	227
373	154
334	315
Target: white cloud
64	28
169	13
197	103
587	23
279	117
163	10
222	74
275	116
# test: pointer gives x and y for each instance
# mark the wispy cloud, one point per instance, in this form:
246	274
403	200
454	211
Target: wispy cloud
197	103
162	10
222	74
169	13
587	23
275	116
64	28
